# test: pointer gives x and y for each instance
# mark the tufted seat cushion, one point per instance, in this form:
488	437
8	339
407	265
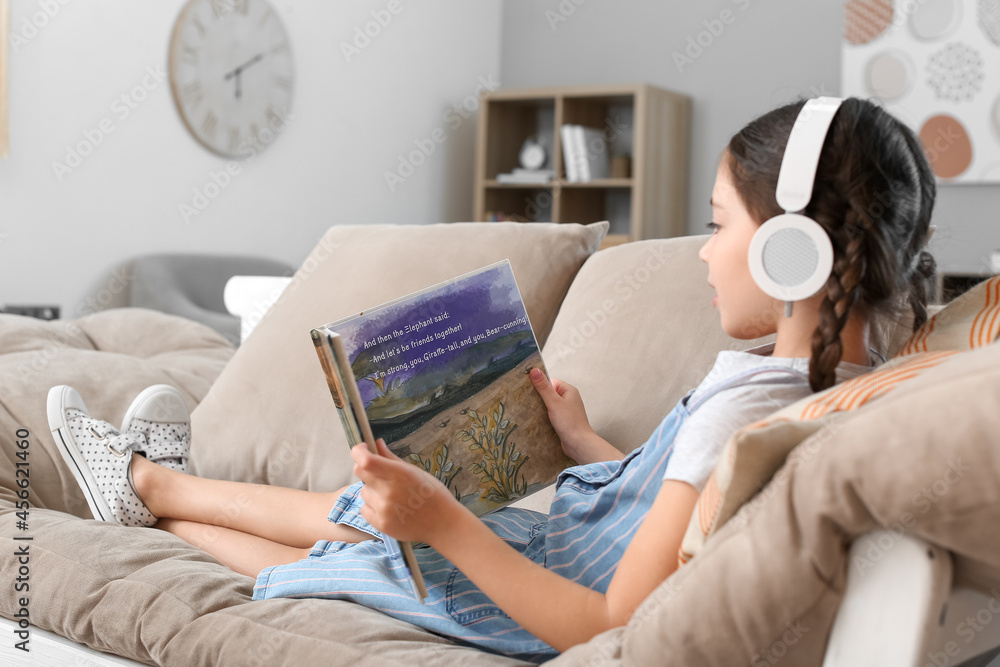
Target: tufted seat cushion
109	356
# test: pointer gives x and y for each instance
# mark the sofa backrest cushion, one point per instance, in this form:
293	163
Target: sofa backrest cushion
270	418
636	332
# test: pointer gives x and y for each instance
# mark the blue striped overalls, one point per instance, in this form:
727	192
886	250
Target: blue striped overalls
596	511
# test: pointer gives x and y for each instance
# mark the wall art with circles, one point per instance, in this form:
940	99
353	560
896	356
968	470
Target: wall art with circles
936	65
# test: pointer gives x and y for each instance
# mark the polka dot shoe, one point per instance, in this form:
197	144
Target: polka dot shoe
159	416
99	458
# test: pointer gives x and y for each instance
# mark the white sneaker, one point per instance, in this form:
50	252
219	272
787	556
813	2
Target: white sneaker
160	416
99	458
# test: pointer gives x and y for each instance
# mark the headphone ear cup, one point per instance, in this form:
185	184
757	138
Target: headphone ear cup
790	257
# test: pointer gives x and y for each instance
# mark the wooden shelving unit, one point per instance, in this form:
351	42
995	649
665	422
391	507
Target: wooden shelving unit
647	124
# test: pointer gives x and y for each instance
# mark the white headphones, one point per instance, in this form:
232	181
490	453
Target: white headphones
790	255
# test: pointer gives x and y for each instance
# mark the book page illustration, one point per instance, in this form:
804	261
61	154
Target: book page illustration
443	375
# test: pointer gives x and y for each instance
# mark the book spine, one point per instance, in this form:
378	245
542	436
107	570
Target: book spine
569	152
580	150
336	384
354	399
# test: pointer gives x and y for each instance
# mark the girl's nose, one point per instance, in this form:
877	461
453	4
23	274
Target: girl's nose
703	252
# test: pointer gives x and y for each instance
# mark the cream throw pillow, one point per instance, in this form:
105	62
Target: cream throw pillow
269	417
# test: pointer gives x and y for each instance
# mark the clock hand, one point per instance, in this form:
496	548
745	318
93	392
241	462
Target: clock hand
239	70
235	74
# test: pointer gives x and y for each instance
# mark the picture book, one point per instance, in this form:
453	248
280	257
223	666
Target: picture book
442	375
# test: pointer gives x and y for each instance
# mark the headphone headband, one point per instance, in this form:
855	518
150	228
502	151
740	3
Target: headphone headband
791	256
801	158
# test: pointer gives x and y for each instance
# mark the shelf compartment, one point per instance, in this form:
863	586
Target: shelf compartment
530	203
586	205
510	123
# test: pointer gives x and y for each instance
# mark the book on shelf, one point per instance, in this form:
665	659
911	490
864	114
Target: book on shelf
568	136
442	375
585	153
520	175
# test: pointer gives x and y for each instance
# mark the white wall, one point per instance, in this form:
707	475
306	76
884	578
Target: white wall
60	242
769	53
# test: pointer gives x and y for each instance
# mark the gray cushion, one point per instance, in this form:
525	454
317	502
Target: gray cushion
192	285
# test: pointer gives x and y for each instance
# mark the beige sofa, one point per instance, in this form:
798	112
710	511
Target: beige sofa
632	326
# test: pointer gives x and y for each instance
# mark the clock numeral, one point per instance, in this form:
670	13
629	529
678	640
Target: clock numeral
280	48
283	81
234	139
196	22
191	94
224	7
266	17
188	54
275	119
209	125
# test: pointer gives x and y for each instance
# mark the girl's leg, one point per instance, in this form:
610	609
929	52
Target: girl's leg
247	554
287	516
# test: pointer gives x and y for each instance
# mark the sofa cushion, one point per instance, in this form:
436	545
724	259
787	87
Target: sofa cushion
109	357
756	451
969	321
269	417
636	331
150	596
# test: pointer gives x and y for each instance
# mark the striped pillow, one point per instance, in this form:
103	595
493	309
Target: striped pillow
757	451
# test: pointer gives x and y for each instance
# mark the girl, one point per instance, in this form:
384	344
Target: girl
613	531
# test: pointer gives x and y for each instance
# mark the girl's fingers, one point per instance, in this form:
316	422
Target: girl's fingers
384	450
370	466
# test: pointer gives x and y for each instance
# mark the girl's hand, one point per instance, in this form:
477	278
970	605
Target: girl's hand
569	419
401	500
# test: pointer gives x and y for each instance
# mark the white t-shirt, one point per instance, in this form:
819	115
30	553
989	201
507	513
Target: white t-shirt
701	439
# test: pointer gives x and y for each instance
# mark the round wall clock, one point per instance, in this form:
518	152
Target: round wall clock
231	74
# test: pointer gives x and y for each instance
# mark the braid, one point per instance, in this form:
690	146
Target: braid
922	273
874	194
924	267
843	289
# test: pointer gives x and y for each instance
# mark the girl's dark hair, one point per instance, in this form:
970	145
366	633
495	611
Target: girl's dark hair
874	194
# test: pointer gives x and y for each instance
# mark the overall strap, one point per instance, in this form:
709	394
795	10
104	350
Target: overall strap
743	377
